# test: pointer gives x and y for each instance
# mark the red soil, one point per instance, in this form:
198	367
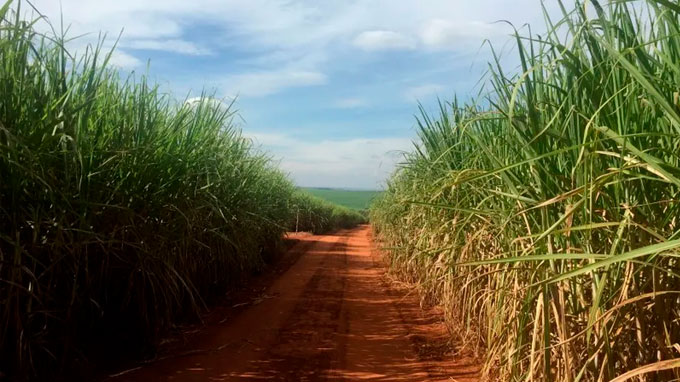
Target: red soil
331	316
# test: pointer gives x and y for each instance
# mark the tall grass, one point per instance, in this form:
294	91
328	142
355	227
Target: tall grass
316	215
121	210
544	217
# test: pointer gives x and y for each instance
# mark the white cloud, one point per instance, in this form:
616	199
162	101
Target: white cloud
305	37
171	45
383	40
350	103
123	60
224	104
268	46
423	91
357	162
297	25
441	33
258	84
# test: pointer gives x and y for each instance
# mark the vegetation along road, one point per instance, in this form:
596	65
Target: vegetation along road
145	236
331	316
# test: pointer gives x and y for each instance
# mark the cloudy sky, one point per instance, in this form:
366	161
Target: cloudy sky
330	87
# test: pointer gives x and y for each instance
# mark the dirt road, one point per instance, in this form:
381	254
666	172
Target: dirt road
330	317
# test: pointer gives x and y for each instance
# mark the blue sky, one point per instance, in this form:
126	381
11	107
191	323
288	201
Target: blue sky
329	88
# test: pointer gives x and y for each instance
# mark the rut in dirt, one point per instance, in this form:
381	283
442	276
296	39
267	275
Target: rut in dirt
330	317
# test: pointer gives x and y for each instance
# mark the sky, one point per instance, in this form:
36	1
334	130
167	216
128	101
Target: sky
329	88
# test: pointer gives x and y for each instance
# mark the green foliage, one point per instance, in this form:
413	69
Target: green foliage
318	216
355	199
544	216
121	210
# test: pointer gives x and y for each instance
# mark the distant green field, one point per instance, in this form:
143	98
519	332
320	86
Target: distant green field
359	200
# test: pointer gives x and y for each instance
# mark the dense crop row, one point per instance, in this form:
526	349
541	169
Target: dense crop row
121	210
313	214
544	217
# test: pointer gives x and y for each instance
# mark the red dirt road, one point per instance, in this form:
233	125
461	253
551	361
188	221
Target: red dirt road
330	317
